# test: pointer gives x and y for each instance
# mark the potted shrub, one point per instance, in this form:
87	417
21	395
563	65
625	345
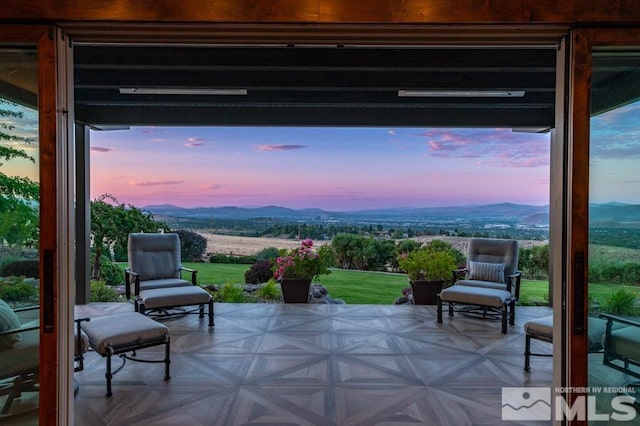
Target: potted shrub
295	270
428	270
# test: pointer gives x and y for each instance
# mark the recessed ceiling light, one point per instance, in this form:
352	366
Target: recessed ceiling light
461	93
180	91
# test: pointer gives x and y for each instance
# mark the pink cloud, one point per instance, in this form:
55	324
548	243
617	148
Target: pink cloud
193	144
100	149
278	147
155	183
210	187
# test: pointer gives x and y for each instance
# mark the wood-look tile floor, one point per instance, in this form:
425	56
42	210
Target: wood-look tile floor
285	364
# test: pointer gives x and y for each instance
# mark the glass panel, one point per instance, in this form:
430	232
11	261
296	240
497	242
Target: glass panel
614	232
19	231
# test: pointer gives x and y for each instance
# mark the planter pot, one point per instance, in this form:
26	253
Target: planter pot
425	292
295	290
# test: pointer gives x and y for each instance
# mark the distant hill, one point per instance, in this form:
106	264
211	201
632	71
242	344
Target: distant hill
503	210
614	213
600	214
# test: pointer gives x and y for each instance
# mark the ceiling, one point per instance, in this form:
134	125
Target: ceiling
319	86
314	85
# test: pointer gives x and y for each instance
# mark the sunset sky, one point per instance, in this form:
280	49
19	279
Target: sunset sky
331	168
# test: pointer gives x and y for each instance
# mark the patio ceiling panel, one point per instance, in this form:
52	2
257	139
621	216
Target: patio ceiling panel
314	85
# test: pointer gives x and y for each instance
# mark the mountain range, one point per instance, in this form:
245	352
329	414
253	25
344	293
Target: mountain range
605	213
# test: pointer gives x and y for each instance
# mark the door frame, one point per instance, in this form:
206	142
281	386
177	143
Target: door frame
582	43
42	38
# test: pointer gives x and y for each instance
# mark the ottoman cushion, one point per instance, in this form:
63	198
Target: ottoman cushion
174	296
121	330
475	295
540	326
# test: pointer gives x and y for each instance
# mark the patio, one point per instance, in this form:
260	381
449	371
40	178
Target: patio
317	365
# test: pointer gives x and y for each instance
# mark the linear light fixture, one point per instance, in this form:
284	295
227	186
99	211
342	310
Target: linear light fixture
180	91
461	93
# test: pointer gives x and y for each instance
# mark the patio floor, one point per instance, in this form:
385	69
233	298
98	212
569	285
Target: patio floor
312	364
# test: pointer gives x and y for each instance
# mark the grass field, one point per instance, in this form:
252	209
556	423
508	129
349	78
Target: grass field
377	288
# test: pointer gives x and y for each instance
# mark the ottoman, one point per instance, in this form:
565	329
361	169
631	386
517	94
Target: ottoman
540	329
485	298
118	334
175	297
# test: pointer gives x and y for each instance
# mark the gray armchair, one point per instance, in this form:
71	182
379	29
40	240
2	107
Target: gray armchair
154	262
491	263
489	285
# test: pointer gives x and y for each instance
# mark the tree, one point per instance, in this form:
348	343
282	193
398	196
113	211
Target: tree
19	221
111	224
192	245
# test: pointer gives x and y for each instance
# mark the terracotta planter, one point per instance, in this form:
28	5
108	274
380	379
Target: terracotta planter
425	292
295	290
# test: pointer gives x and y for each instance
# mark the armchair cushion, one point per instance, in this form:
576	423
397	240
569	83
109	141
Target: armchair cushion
9	321
154	256
485	271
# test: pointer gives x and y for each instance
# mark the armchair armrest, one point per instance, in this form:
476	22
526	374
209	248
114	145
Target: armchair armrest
193	274
457	274
514	278
611	318
127	281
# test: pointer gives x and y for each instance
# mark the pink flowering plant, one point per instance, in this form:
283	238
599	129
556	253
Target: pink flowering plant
302	262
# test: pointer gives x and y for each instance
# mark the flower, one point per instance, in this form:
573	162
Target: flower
302	262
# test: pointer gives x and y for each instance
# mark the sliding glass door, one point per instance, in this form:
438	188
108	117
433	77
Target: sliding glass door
29	319
603	315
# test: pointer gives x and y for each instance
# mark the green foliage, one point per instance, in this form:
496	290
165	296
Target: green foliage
267	253
534	262
614	265
621	302
225	258
21	268
442	246
259	272
19	221
269	291
14	289
428	263
101	292
192	245
231	293
111	224
361	252
110	272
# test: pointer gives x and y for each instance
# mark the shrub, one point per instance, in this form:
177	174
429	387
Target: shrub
269	291
192	245
231	293
21	268
110	273
14	289
534	262
621	302
267	253
101	292
225	258
259	272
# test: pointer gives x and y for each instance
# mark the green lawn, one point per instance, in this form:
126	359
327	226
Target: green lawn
363	287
